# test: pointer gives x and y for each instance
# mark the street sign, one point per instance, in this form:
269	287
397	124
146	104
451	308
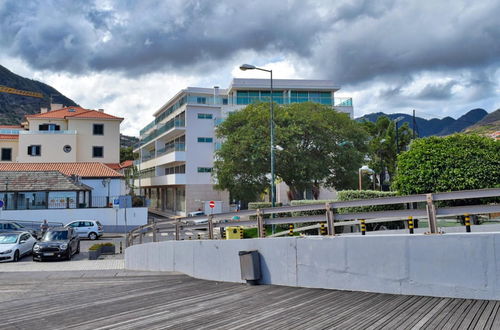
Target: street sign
1	203
211	204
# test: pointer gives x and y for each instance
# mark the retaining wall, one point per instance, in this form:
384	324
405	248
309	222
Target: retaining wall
450	265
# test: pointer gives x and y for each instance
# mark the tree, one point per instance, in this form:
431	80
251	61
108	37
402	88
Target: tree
127	153
382	150
317	146
455	162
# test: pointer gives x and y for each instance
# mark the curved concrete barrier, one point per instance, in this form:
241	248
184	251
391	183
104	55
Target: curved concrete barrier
449	265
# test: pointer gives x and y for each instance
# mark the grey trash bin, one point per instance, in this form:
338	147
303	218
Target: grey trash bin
250	266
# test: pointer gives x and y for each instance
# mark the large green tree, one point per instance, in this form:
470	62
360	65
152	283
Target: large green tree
382	149
455	162
317	146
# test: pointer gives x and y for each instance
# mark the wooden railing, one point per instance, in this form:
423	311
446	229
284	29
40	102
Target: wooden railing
330	217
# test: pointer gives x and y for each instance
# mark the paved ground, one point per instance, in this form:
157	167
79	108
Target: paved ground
78	262
116	299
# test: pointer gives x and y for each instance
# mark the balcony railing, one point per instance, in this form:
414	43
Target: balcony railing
10	131
171	148
162	129
70	132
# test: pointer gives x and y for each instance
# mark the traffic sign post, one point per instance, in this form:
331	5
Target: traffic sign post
211	204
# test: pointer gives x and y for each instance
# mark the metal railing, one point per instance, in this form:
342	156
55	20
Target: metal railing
68	132
329	215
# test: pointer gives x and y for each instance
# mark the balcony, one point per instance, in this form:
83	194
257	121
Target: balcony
170	154
162	180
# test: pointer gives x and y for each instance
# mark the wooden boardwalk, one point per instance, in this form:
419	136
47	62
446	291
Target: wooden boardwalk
115	300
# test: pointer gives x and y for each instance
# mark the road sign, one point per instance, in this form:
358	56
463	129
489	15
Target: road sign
1	203
211	204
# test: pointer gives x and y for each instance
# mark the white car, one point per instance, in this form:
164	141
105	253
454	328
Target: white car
90	229
15	245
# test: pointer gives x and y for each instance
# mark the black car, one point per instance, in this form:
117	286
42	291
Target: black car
56	244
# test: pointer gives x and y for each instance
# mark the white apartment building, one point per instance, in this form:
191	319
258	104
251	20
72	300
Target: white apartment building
177	148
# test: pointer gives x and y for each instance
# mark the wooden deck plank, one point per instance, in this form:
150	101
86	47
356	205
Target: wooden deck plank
181	302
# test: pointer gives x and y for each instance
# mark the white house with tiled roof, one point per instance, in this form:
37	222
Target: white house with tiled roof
70	134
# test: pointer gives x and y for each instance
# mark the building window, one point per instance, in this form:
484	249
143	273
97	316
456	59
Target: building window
98	129
49	127
204	116
204	169
181	169
6	154
97	152
205	139
35	150
201	100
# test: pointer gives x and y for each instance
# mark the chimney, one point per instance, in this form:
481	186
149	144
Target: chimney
55	106
44	110
216	94
101	110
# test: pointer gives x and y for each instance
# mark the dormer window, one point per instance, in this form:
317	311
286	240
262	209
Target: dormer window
49	127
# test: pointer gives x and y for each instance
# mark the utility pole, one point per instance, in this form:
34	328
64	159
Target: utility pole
414	124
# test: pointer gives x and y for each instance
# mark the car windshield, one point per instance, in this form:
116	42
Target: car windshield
55	236
18	225
8	238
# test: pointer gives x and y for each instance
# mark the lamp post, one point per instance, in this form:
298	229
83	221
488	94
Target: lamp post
366	169
245	67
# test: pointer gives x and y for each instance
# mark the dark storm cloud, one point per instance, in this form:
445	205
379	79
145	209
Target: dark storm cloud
144	36
437	91
350	41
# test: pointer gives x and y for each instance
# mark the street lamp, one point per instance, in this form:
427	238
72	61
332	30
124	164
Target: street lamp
366	169
245	67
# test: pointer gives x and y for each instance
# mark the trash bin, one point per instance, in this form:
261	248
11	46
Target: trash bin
250	266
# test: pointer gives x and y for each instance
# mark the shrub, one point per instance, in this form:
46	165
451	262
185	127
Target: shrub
261	205
349	195
451	163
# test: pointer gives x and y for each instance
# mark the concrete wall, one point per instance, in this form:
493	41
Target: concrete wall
450	265
107	216
52	147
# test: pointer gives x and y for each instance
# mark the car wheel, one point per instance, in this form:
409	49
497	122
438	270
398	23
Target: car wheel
77	249
16	256
93	236
70	254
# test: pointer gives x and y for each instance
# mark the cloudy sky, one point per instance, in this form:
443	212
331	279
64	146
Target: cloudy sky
439	57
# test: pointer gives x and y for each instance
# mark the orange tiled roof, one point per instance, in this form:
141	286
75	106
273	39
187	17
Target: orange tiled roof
127	163
74	112
9	136
84	170
11	126
113	166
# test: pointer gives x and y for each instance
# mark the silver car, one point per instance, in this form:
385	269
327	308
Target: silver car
15	245
90	229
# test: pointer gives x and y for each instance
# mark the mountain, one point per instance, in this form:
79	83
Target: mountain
127	141
428	127
14	107
487	125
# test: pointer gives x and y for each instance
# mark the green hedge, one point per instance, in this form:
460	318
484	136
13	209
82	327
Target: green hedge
262	205
349	195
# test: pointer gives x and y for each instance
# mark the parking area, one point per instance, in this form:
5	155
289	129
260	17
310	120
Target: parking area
79	262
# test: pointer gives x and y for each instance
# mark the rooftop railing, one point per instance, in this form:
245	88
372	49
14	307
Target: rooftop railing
10	131
70	132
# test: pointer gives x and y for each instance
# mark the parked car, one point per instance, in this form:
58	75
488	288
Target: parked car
16	226
14	245
57	243
87	228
